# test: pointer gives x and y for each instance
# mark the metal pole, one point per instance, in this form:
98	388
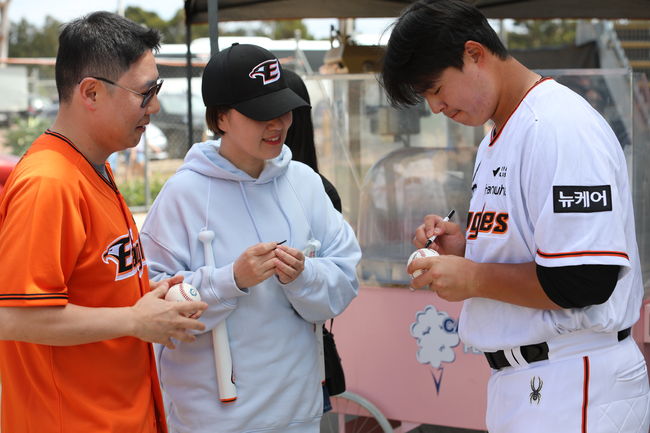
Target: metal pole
147	186
213	22
188	70
4	32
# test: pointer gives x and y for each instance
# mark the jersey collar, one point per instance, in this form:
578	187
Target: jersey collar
494	135
107	180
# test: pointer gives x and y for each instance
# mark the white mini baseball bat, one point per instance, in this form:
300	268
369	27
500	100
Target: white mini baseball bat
313	245
220	342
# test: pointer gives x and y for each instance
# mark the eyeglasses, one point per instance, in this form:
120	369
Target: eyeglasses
146	96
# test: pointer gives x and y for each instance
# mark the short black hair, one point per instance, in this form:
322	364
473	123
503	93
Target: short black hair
300	136
427	38
99	44
212	115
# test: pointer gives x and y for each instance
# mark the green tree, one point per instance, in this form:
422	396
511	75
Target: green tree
20	36
23	132
286	29
146	18
542	34
175	31
172	31
27	40
244	30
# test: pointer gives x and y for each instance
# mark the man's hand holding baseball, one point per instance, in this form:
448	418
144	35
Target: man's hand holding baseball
158	321
166	282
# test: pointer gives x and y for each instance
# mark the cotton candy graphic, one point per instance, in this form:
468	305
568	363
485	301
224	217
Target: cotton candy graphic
436	335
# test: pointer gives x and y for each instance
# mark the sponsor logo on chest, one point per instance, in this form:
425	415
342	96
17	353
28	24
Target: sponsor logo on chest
494	184
495	190
501	171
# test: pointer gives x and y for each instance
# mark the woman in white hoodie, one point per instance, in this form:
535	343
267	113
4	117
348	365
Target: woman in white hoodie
246	191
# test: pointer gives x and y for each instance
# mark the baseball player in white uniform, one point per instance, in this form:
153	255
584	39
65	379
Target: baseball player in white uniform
548	266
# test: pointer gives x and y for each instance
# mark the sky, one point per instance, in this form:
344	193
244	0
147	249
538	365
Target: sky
35	12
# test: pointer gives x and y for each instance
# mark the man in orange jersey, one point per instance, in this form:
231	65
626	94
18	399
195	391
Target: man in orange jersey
77	313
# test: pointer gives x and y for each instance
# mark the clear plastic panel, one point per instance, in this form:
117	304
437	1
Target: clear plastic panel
392	167
641	170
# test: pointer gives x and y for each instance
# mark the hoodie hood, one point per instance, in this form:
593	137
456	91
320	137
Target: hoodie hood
204	158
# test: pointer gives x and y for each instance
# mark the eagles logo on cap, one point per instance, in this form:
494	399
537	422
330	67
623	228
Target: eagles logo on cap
268	70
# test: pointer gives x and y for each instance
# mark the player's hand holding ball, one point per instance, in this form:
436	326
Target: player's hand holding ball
417	254
451	277
183	292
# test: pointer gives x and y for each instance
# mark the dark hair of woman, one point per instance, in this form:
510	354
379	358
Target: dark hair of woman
300	137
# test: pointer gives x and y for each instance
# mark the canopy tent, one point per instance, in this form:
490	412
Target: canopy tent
242	10
196	12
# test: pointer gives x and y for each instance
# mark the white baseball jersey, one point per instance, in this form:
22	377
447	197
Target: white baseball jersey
551	187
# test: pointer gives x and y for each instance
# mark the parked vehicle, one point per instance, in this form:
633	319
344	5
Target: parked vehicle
157	141
7	164
15	96
172	120
133	159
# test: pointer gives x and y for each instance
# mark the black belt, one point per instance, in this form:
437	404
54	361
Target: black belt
532	352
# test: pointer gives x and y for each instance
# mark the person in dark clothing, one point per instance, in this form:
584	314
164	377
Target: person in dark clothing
300	139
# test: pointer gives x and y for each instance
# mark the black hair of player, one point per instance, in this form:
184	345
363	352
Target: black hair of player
427	38
300	136
101	44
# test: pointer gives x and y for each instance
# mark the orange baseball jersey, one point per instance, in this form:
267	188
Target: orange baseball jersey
66	235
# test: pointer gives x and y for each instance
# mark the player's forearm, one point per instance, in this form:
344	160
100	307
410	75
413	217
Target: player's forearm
65	326
512	283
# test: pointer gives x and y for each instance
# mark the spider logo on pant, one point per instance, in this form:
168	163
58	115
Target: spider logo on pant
536	395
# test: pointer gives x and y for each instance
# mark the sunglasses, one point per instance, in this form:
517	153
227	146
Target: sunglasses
146	96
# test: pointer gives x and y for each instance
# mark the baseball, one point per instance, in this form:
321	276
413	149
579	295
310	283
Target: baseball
422	252
182	292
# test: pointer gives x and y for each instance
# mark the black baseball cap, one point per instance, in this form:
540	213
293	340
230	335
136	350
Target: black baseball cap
249	79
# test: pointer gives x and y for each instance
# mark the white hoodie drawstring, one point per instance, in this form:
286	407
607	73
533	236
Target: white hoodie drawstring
304	212
276	195
248	209
207	205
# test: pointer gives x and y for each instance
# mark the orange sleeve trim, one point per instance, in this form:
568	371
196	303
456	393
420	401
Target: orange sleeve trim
582	253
